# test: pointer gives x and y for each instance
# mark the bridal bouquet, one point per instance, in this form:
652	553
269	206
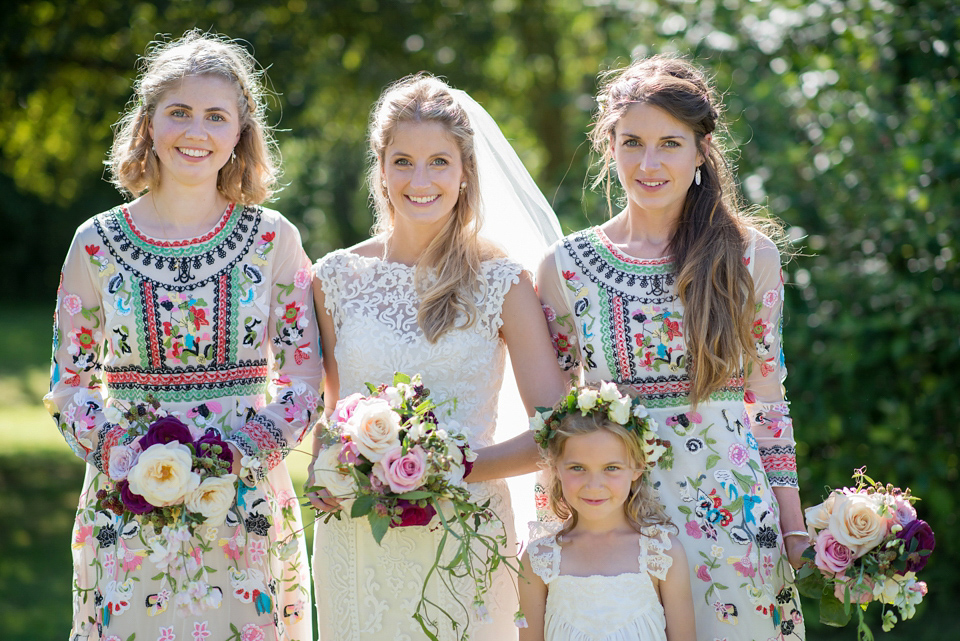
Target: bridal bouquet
389	458
868	545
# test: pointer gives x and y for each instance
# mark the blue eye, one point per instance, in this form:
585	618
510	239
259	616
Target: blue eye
440	161
671	143
632	142
178	113
217	118
401	161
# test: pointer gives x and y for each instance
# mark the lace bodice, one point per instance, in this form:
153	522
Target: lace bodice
624	607
374	307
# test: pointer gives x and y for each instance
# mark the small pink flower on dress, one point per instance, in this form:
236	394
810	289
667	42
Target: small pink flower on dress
72	304
770	298
304	278
703	573
251	632
693	530
200	631
167	634
256	550
549	313
738	455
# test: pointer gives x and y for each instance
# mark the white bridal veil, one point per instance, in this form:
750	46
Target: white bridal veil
516	216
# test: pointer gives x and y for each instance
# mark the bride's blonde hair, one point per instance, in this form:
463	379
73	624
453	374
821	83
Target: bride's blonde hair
447	275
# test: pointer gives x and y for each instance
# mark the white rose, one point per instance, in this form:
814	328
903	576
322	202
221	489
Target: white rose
162	475
856	523
113	414
536	422
640	411
818	516
587	399
122	459
619	410
328	476
213	498
394	396
374	428
454	475
609	391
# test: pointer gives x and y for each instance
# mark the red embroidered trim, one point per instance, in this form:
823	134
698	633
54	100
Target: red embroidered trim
110	439
150	320
779	462
181	378
631	260
677	387
177	243
620	333
222	320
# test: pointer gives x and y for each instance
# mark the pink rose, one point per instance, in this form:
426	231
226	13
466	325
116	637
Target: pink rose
903	512
402	472
831	556
862	594
303	278
349	454
345	407
121	460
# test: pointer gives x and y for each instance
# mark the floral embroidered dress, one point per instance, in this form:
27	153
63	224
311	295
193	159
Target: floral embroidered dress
624	607
616	317
365	591
209	327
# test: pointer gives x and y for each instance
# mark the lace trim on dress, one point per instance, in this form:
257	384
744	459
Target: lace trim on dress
544	551
654	543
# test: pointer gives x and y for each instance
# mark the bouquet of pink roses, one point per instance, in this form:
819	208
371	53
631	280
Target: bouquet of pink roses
868	545
389	458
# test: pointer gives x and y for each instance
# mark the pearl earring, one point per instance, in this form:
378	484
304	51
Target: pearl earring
696	176
463	186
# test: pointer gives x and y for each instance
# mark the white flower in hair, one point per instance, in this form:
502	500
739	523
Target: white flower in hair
587	400
609	392
640	411
619	411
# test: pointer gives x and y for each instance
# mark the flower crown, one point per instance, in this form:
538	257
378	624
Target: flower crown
619	408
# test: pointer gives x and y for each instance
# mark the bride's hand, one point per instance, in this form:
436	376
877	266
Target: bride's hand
321	499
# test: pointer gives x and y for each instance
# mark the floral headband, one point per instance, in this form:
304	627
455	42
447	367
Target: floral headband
623	410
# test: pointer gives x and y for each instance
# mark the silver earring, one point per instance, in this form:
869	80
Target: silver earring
233	155
153	147
696	176
463	186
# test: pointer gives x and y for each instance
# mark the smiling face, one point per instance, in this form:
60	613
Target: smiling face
423	169
656	158
596	472
195	128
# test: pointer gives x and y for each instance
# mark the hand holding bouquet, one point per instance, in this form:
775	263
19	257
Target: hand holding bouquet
389	458
868	545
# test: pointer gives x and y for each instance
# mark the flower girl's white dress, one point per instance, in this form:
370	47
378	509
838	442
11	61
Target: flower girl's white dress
624	607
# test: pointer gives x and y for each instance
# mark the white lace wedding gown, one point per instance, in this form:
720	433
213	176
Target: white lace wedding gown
624	607
366	591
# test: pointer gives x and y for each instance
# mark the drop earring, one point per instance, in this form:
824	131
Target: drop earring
233	155
696	176
463	186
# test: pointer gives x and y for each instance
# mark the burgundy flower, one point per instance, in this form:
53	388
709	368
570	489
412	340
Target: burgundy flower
166	430
413	514
921	532
133	502
467	465
211	438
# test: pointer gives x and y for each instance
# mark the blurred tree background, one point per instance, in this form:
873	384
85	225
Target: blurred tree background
845	114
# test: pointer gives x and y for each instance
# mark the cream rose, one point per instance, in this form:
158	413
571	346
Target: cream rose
609	391
587	399
818	516
213	498
374	427
163	475
619	410
328	476
856	523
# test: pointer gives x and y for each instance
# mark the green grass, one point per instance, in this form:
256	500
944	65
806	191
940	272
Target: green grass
40	479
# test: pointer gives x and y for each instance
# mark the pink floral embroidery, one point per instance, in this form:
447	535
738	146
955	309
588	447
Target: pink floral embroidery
770	298
703	573
738	455
250	632
200	631
303	278
693	530
256	550
167	634
72	304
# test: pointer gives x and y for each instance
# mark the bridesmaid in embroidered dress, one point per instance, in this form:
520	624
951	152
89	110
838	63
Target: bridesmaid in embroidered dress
195	296
680	296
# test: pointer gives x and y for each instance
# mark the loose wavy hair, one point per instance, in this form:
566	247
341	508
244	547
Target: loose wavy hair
641	508
251	177
447	273
713	230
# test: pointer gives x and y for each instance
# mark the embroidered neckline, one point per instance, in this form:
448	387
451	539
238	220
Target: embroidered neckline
622	257
170	243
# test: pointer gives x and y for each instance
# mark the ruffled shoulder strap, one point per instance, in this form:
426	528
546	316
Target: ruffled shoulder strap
544	551
654	543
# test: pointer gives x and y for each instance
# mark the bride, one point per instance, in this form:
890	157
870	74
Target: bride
429	295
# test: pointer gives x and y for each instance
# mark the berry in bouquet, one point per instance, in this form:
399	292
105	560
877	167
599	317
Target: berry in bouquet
868	545
389	457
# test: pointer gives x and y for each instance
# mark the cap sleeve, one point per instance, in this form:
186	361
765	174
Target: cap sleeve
544	551
654	543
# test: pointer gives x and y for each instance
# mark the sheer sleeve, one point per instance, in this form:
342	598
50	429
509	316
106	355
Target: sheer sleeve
765	394
75	399
556	290
295	373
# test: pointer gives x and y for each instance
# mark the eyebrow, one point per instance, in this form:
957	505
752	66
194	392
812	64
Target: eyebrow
404	153
181	105
668	137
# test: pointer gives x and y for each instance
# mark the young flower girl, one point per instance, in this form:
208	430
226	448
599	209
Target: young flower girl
609	570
